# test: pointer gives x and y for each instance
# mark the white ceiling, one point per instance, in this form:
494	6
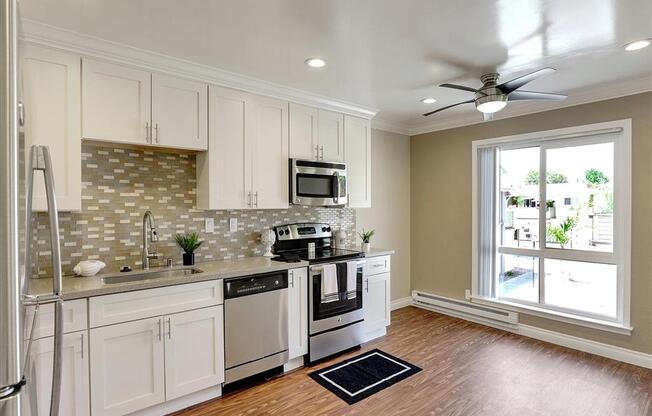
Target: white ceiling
386	54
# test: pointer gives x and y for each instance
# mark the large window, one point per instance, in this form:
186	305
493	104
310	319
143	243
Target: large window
551	222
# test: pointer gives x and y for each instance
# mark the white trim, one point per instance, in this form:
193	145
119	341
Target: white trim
554	315
180	403
622	219
55	37
401	303
579	96
393	126
581	344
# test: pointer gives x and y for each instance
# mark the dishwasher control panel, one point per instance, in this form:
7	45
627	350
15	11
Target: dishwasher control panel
252	285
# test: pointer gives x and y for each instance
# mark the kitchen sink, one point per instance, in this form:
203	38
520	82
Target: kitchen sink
149	275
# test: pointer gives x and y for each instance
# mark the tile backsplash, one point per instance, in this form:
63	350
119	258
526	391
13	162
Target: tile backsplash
120	184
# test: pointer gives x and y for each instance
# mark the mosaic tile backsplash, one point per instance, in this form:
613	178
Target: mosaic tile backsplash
120	184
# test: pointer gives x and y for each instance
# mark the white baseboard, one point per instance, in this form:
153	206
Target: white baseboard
581	344
293	364
181	402
401	303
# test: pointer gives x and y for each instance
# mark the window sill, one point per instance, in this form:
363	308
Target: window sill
606	326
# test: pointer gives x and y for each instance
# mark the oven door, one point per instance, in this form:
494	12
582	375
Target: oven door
318	183
329	315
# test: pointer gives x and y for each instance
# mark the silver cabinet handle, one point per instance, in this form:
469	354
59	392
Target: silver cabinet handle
317	152
156	130
321	150
367	289
291	278
249	199
169	328
159	329
147	132
256	199
82	345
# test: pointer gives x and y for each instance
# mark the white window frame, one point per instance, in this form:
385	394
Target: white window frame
621	255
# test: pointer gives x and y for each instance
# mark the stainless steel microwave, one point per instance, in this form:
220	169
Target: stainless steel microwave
318	183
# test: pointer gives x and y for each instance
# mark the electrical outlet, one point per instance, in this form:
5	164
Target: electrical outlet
209	225
233	225
467	294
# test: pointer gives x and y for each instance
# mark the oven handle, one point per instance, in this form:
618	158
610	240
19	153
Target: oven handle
336	186
316	268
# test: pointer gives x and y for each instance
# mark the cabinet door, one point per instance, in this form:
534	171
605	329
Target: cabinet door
269	153
194	351
51	98
304	132
116	102
127	367
357	142
376	304
74	376
222	178
179	111
331	136
298	313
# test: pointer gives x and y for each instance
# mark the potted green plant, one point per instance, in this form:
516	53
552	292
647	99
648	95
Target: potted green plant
189	242
552	211
366	240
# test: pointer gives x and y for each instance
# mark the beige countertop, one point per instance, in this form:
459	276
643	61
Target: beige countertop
82	287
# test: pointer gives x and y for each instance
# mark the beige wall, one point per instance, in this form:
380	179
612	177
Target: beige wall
441	207
389	214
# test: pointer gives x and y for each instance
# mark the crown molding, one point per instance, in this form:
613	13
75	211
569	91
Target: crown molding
577	96
54	37
393	126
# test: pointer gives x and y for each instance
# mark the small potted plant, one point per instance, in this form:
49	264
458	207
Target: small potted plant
189	242
552	211
366	240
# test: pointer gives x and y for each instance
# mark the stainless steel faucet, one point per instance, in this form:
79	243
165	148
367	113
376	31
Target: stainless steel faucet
148	225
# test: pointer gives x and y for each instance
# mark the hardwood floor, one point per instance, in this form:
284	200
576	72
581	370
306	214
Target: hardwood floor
468	369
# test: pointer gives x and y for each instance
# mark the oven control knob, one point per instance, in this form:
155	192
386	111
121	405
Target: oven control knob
280	232
339	319
328	229
323	229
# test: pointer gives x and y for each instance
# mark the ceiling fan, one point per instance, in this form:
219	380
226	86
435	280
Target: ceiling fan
492	97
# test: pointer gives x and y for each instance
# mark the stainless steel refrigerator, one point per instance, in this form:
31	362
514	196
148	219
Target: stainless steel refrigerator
18	166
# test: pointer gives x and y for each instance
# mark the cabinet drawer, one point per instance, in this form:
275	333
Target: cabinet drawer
139	304
377	265
74	318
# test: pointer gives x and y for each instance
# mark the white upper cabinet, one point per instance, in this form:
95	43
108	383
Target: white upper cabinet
316	134
116	102
247	162
331	136
224	172
179	111
51	98
357	139
269	153
304	132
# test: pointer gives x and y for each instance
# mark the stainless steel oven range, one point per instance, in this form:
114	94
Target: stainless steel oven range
336	319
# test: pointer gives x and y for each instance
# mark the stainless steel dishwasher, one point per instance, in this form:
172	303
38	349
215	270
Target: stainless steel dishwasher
255	324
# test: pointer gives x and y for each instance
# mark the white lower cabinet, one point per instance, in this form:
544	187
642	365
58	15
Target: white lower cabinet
127	367
298	313
376	298
74	376
135	365
194	351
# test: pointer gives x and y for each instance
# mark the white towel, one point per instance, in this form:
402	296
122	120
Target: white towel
351	279
329	284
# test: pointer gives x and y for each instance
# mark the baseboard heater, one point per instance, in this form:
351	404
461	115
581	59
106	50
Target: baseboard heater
466	310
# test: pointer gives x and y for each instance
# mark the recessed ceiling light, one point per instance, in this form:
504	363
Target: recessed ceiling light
636	45
428	100
315	62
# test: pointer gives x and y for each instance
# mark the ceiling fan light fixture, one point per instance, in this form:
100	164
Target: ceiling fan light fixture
637	44
428	100
315	62
491	104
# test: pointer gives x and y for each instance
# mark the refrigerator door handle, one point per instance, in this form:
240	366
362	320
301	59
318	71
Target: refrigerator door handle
39	159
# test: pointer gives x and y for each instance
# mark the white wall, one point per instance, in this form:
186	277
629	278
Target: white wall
389	214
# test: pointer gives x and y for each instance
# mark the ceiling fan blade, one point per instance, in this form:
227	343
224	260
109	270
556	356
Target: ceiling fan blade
488	116
516	83
533	95
448	106
458	87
